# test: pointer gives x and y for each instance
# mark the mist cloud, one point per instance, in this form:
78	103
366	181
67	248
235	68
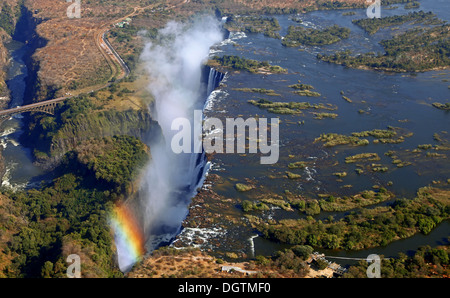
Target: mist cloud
174	65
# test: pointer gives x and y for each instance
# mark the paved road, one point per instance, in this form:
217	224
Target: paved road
110	55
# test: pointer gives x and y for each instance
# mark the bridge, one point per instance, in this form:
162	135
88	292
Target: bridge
47	106
110	55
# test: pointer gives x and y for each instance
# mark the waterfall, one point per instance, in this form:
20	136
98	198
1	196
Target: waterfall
179	87
214	79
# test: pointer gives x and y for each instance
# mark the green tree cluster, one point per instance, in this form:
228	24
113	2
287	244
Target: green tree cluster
298	35
368	227
371	26
419	49
239	63
426	262
71	214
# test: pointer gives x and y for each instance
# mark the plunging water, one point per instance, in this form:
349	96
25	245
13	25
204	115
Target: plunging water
179	86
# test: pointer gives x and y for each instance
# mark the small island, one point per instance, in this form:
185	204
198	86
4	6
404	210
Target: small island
371	26
441	106
299	35
238	63
416	50
252	24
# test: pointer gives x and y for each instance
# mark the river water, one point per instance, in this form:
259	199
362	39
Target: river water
379	99
20	172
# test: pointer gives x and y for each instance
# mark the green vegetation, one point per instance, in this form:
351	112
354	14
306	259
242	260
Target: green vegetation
340	174
288	107
61	218
301	87
292	260
324	115
416	50
307	93
390	2
435	154
243	187
269	92
349	13
411	5
329	5
365	228
251	24
250	65
426	262
376	133
291	175
330	203
113	160
385	136
278	203
8	18
298	35
400	164
441	106
347	99
371	26
379	168
334	139
361	157
80	119
71	214
297	165
248	206
425	146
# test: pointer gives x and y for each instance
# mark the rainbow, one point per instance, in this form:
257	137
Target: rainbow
129	236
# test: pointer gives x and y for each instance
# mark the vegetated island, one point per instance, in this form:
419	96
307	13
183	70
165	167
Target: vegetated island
385	224
416	50
442	106
269	92
391	135
411	5
304	90
371	26
299	35
289	108
254	24
239	63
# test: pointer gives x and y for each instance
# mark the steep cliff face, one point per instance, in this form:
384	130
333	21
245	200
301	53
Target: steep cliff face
9	14
26	32
95	125
50	138
4	93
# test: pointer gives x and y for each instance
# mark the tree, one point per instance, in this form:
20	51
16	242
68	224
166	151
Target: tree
302	251
47	270
321	264
311	239
426	225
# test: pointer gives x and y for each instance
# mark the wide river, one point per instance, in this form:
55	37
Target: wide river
379	99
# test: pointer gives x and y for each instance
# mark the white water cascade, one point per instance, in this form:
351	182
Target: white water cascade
179	83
